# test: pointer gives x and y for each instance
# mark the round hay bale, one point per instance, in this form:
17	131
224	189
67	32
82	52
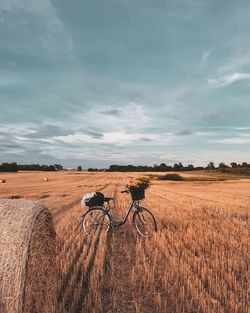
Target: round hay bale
45	179
27	258
2	181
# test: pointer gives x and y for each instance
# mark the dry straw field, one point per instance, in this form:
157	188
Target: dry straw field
197	262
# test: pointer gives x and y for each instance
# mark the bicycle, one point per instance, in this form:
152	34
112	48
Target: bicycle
102	217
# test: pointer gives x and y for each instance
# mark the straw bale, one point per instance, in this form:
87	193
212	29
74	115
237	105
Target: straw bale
2	181
27	258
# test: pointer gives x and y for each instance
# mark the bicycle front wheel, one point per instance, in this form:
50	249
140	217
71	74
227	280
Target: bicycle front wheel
144	222
95	219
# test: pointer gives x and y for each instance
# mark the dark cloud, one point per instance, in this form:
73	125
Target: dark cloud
184	133
8	140
9	144
94	134
48	131
211	117
146	139
112	112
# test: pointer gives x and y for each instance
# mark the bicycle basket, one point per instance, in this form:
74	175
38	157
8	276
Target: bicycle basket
96	200
137	194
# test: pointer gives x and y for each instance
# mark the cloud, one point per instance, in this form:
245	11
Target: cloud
38	18
15	151
40	9
236	62
11	130
211	117
146	139
94	134
47	131
118	138
205	56
184	133
218	116
242	139
114	112
242	128
228	79
132	115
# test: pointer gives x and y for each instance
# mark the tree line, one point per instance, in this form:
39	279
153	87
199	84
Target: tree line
176	167
233	167
14	167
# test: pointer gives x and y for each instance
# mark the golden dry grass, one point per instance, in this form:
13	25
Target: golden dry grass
197	262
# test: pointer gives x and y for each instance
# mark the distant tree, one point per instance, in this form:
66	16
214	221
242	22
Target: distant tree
199	168
190	166
112	168
58	167
52	168
162	167
234	164
210	166
79	168
9	167
14	167
92	169
244	164
222	165
176	167
140	168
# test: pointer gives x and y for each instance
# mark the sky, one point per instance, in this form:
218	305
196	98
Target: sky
94	83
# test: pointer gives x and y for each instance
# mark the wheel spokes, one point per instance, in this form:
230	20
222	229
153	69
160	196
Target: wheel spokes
95	219
145	223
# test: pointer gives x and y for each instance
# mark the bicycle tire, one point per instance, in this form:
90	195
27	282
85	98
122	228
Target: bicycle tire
138	216
94	225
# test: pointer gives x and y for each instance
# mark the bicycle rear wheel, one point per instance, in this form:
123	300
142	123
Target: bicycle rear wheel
95	219
144	222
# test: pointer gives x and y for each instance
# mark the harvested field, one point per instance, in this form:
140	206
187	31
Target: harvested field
197	262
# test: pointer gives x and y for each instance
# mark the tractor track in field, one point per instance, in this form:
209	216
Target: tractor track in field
66	207
120	258
122	261
85	280
67	276
82	275
106	292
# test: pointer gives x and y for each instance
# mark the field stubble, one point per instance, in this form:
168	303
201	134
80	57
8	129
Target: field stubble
197	262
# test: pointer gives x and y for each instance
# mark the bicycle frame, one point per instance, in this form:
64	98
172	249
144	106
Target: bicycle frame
115	222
